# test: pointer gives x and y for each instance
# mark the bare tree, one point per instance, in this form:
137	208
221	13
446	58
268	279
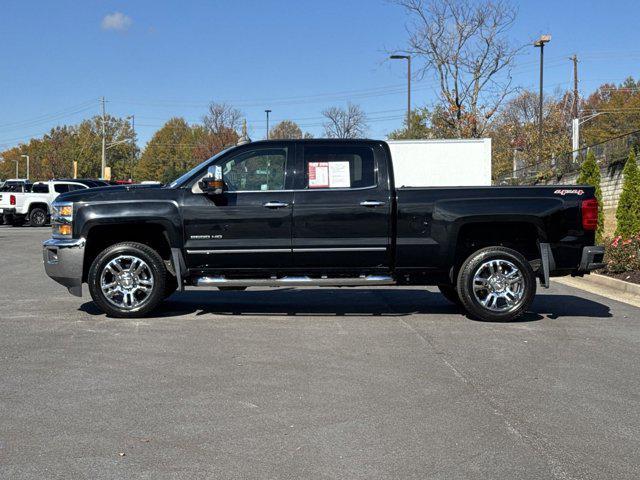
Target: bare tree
464	45
341	123
222	117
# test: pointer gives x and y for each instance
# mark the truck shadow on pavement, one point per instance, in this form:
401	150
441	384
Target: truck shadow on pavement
378	302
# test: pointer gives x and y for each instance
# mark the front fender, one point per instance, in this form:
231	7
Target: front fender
139	212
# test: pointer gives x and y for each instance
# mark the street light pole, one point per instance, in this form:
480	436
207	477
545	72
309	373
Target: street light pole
540	44
104	140
267	112
408	59
27	157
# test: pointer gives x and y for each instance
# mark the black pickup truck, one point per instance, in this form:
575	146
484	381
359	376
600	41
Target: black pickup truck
322	213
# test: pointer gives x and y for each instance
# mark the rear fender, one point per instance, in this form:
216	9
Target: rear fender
450	216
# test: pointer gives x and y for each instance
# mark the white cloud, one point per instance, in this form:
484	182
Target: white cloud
116	21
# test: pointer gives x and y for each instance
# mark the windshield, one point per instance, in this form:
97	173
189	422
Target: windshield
183	178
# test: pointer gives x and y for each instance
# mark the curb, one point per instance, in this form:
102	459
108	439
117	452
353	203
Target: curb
612	288
609	282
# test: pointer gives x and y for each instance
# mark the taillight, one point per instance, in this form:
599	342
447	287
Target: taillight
590	214
12	199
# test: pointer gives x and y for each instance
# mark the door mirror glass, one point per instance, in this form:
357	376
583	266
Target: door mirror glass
212	183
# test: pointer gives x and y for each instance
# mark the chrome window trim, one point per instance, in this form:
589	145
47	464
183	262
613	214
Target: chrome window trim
344	189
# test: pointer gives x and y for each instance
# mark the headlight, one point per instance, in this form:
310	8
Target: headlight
62	219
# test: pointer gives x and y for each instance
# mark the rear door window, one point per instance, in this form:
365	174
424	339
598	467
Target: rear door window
339	167
61	187
40	188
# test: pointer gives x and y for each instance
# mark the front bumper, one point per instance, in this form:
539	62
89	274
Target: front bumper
63	262
592	258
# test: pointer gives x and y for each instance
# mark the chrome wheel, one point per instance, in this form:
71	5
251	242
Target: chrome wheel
499	286
127	282
38	218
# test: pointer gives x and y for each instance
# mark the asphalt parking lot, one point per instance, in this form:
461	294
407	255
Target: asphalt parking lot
311	383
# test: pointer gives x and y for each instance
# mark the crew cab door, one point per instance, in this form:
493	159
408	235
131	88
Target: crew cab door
342	207
248	227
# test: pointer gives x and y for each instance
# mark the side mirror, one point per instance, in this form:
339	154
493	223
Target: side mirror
212	184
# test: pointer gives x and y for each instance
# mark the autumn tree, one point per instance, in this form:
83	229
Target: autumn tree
515	127
463	45
53	155
615	110
345	123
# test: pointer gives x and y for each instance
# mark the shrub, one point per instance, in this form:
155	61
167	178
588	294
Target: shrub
622	255
628	212
590	175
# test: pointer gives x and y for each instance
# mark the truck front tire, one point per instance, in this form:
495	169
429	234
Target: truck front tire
127	280
496	284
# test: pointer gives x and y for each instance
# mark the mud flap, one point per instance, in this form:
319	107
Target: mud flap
548	264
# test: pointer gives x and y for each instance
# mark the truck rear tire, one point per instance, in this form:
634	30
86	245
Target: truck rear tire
450	293
496	284
38	217
127	280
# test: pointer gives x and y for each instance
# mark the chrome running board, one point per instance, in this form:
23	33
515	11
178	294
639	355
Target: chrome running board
295	281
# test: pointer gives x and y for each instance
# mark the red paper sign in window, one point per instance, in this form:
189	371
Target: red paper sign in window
318	174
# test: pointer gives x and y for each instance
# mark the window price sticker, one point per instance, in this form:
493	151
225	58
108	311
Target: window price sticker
329	175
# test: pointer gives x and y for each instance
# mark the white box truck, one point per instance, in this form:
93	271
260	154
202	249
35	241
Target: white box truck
441	163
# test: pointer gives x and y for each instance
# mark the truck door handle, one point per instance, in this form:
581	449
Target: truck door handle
372	203
275	205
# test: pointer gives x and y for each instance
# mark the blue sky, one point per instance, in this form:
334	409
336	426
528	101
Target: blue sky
158	59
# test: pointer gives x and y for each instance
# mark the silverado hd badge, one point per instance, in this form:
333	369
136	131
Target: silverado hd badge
205	237
563	192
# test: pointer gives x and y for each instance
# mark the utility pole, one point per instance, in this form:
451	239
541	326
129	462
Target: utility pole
133	141
575	122
267	112
540	44
104	139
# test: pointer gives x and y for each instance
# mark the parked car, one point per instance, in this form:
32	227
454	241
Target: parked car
324	213
14	185
34	205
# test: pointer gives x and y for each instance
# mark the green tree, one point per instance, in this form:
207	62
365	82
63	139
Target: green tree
628	212
170	151
420	126
590	175
286	130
